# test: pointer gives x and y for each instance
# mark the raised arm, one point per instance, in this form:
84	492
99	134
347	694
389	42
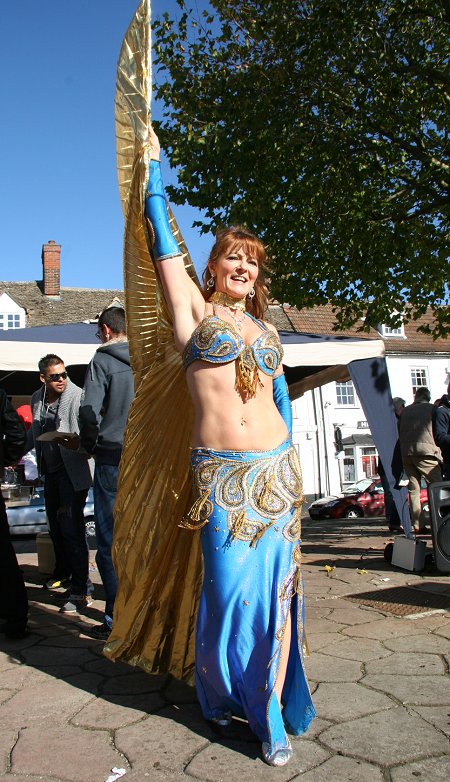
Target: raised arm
182	295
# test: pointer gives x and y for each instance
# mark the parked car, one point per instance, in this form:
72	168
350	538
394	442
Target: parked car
26	512
363	498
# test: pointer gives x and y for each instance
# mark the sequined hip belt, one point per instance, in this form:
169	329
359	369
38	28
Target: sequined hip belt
255	489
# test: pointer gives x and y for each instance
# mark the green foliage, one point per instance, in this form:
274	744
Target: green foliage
322	126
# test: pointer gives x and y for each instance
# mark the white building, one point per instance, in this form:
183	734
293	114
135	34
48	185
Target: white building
321	415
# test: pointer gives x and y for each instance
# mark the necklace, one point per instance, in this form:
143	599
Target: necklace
238	321
229	304
227	301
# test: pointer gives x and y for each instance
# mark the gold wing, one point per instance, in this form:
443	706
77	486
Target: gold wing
158	565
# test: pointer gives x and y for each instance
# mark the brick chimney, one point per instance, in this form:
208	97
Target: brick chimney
51	253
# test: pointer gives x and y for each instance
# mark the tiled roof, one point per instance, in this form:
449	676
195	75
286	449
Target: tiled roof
72	306
320	320
79	304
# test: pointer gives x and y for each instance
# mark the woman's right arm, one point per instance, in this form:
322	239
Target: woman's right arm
182	295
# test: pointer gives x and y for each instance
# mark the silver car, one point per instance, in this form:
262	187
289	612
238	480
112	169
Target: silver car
26	514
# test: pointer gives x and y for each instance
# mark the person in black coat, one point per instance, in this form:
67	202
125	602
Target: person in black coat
13	596
441	431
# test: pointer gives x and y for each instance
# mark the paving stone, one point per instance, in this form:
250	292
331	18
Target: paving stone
153	775
318	641
416	663
429	770
62	671
53	702
362	649
8	737
416	690
46	657
158	740
13	646
104	714
335	602
20	778
242	762
443	630
69	753
340	769
316	611
354	615
347	701
179	692
385	628
5	695
15	677
107	668
323	625
432	620
389	737
87	680
7	662
71	640
422	644
132	683
316	727
437	715
322	668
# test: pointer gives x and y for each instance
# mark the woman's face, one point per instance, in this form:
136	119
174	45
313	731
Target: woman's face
235	273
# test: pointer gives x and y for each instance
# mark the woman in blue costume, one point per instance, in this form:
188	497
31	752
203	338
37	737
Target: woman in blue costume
247	482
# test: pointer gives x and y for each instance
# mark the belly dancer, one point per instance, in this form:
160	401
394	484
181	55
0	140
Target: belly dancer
246	507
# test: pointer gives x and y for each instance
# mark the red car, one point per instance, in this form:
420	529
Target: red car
363	498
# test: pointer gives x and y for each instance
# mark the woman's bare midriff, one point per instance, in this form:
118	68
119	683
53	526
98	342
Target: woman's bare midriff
223	419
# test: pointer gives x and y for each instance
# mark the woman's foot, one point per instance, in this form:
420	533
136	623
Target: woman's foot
279	757
223	721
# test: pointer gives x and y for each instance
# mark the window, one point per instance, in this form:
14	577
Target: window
12	315
349	465
345	393
369	461
418	378
388	331
10	320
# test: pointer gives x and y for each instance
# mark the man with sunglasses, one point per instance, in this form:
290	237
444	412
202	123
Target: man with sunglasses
67	476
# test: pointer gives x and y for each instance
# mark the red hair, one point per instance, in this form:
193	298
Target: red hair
233	238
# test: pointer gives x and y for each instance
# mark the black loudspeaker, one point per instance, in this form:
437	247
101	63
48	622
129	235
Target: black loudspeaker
439	498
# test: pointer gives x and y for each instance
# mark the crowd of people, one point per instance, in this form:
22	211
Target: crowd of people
77	437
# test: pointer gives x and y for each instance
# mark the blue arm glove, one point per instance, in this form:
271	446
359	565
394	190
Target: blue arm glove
282	401
156	211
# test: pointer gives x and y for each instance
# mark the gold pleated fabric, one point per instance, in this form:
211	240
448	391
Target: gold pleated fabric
158	564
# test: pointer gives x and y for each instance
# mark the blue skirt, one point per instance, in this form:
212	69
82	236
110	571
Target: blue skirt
248	506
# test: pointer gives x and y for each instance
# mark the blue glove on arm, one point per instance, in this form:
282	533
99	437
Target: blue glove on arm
156	211
282	401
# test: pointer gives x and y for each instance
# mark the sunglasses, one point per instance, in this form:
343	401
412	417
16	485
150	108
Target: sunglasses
57	376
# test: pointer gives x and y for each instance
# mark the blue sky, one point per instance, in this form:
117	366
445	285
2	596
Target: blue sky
58	65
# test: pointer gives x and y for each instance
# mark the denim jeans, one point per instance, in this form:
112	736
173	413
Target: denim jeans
105	490
64	508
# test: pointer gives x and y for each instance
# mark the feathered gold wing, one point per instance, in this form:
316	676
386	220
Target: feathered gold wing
157	563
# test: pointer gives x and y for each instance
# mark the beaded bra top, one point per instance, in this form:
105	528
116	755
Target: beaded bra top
218	342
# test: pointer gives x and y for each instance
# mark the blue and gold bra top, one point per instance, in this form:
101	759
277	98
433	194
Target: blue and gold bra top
218	342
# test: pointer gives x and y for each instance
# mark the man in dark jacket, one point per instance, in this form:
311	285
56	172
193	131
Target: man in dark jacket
419	452
67	478
441	431
13	596
107	394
